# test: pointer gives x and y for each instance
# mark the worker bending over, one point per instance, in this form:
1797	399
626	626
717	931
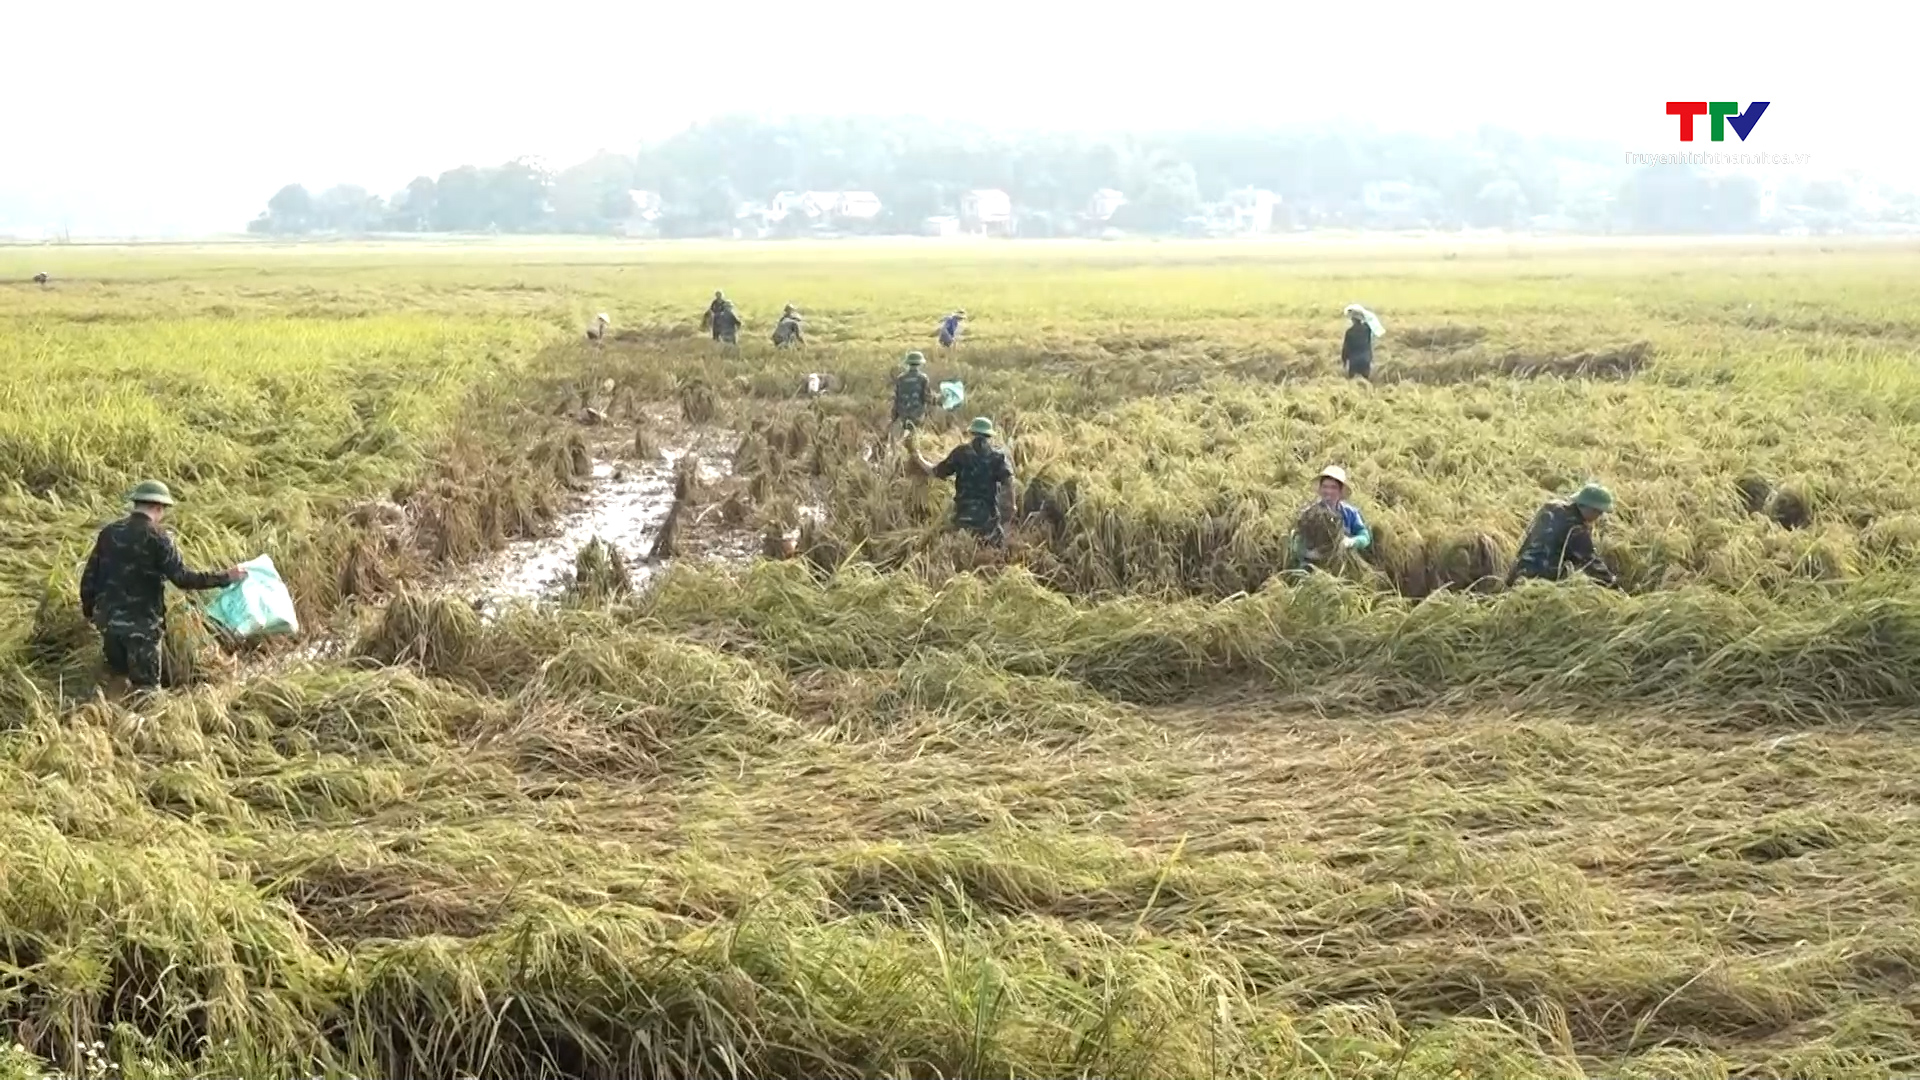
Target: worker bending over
787	331
123	589
1560	541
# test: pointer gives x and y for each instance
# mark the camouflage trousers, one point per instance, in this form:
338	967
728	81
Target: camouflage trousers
988	531
134	655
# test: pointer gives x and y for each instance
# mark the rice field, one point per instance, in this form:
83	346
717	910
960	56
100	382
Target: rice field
1129	800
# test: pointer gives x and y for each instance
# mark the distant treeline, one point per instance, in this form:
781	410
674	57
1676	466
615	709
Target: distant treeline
708	175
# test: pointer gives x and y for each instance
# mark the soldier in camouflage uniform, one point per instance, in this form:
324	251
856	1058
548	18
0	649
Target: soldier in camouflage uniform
726	324
981	475
912	394
1560	541
788	332
123	590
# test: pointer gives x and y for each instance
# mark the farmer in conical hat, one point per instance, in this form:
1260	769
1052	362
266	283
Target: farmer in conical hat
981	473
599	328
1560	541
1354	534
950	328
123	589
1356	350
912	393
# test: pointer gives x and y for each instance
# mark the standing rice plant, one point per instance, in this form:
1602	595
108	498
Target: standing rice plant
563	458
363	570
600	573
189	651
821	547
698	403
1893	540
688	485
749	454
507	507
1407	557
441	636
774	541
797	437
667	543
451	522
761	486
60	635
1468	562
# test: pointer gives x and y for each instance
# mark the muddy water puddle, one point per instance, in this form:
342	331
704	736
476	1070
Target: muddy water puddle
625	504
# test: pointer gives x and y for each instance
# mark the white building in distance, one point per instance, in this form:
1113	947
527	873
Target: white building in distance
987	210
1105	203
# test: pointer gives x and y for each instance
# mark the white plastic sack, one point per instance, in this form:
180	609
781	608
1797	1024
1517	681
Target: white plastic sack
1368	317
256	604
952	394
813	382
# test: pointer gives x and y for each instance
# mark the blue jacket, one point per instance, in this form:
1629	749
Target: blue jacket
1356	525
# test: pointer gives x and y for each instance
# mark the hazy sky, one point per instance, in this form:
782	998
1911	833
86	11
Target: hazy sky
186	115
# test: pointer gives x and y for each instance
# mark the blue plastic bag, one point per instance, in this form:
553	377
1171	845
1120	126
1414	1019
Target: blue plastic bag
952	394
256	604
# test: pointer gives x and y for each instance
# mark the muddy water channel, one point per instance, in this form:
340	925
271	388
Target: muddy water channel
625	504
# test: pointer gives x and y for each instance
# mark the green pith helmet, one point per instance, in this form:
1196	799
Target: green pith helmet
150	492
980	426
915	359
1594	497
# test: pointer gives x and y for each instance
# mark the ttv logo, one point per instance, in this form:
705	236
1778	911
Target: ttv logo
1724	113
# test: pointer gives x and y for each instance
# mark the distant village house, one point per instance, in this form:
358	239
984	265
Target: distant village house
1388	197
987	211
823	209
1251	210
643	215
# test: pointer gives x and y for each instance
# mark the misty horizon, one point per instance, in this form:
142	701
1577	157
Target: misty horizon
149	121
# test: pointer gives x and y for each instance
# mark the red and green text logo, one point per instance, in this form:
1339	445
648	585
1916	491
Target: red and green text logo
1724	114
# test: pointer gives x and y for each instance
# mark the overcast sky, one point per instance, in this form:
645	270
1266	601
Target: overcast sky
186	115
